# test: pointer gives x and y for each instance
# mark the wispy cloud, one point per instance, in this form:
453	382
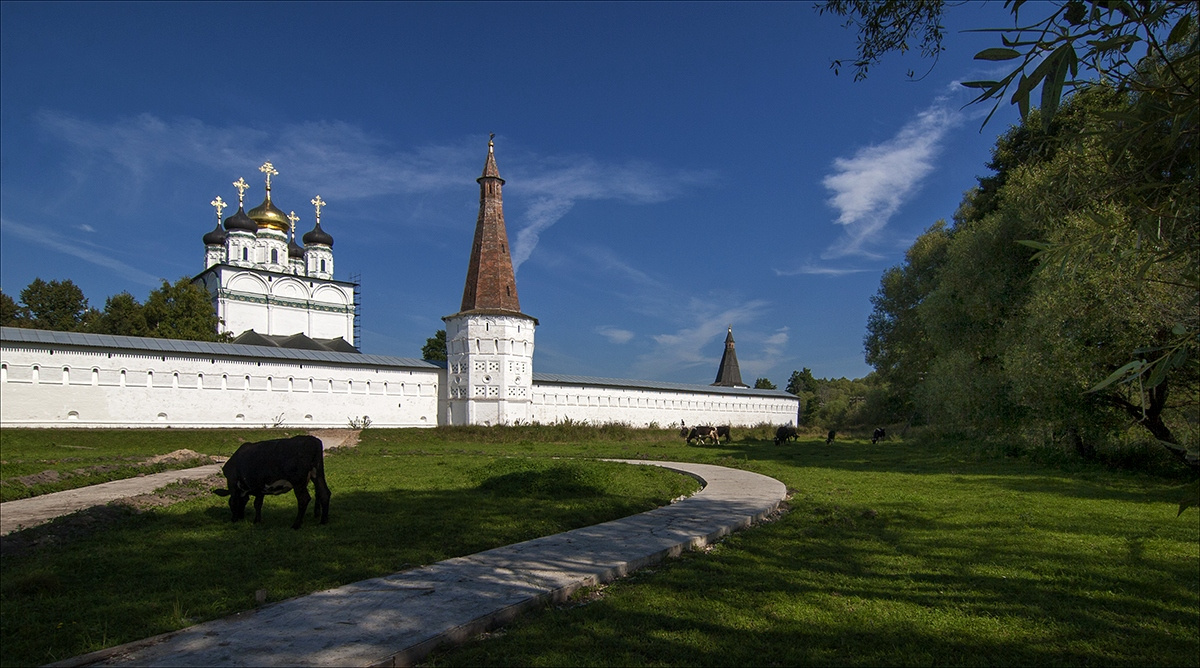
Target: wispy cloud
341	160
93	254
870	186
811	269
615	335
557	186
692	346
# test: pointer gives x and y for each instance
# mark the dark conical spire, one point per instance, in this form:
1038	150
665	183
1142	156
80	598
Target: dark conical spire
491	283
728	374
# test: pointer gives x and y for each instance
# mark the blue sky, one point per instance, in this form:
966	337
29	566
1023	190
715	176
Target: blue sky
672	169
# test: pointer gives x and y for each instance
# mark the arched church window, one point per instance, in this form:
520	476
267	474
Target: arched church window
322	265
245	254
274	256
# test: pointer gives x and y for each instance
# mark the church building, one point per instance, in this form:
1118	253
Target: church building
295	359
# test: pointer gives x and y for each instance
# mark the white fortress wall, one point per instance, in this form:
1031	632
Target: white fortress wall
642	403
56	379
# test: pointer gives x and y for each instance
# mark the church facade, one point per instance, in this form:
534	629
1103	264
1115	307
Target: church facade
295	362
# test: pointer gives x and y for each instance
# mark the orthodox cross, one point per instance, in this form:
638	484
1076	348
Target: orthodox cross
241	186
318	202
268	169
293	217
219	205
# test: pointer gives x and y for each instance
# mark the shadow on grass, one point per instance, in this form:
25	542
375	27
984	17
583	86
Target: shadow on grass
831	586
164	569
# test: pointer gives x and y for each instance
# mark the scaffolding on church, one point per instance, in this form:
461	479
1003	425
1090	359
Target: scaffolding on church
355	279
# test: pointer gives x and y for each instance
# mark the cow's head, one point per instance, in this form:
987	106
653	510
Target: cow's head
239	496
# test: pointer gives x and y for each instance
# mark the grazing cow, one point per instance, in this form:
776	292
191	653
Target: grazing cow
703	434
878	436
274	467
723	432
830	437
785	433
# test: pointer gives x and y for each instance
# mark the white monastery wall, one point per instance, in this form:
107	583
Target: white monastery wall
597	403
62	386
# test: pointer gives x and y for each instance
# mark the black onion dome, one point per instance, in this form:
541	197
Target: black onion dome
318	236
240	221
295	252
216	237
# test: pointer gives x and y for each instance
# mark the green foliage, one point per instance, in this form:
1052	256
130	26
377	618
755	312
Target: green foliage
122	316
11	313
888	26
182	310
435	347
764	384
57	305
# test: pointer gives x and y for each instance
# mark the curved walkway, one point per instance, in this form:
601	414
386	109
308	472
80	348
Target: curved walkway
398	619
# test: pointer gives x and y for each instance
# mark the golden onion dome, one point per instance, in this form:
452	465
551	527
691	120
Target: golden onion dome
267	215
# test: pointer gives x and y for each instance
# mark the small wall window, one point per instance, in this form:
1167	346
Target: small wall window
322	265
274	256
245	254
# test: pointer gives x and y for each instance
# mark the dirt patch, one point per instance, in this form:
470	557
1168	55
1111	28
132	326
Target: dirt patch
337	438
37	478
184	455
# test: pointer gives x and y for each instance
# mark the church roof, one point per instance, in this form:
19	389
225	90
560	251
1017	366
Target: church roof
227	350
491	283
240	221
294	342
317	236
728	373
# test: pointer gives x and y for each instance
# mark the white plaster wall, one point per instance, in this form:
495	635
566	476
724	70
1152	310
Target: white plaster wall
120	388
489	368
637	407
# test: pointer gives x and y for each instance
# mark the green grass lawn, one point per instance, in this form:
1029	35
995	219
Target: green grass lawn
899	553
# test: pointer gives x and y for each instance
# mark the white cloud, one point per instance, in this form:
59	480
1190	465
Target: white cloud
87	252
811	269
343	162
693	345
615	335
869	187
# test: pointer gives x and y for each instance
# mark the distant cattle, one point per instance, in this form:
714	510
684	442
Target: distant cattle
274	467
829	439
878	436
723	432
785	433
702	434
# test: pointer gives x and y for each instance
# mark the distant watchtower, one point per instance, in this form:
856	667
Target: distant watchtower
728	374
489	342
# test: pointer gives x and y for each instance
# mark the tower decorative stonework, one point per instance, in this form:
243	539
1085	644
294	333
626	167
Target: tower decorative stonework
489	342
728	374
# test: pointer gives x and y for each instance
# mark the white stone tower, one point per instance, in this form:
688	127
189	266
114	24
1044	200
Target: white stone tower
489	342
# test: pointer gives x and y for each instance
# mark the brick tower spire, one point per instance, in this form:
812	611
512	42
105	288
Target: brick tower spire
491	284
728	374
489	342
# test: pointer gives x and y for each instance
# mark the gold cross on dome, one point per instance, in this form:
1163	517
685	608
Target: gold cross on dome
241	186
294	218
318	202
219	205
268	169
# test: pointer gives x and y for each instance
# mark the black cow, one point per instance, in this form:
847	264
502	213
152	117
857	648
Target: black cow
723	432
785	433
878	436
702	434
274	467
829	439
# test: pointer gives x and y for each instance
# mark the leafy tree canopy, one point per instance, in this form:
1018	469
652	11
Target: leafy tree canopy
435	347
764	384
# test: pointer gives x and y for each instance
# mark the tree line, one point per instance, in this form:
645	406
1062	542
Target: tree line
1060	304
180	310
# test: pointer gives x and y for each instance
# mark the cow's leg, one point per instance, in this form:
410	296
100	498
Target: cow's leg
302	499
323	494
258	501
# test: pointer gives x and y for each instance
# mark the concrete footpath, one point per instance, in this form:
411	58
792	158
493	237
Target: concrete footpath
398	619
